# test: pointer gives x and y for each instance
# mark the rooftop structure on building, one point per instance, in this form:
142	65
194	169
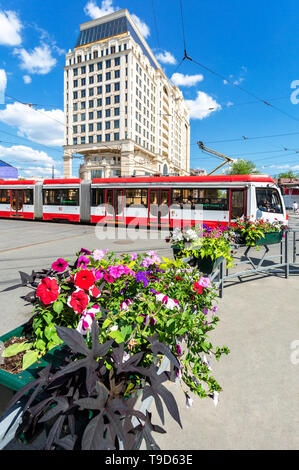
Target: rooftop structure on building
122	113
7	171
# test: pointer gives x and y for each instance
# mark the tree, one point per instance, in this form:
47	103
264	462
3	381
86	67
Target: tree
287	174
242	167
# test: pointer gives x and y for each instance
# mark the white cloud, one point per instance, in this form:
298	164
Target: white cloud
3	83
27	79
142	26
229	104
39	126
202	106
236	81
10	28
39	60
166	57
94	11
179	79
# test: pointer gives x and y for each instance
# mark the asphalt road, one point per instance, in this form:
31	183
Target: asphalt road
259	405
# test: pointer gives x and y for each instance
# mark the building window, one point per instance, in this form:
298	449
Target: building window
83	105
116	111
108	100
83	93
99	138
90	127
90	104
75	106
82	128
75	141
117	61
75	71
100	77
90	139
75	95
83	69
116	135
83	81
82	140
108	64
75	83
99	126
117	74
108	76
79	59
95	54
91	67
75	129
107	137
91	80
99	65
75	117
107	125
99	114
100	90
83	117
99	102
108	88
107	112
116	99
91	91
117	86
116	124
112	51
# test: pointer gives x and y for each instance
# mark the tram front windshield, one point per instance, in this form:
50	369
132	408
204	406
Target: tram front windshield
268	200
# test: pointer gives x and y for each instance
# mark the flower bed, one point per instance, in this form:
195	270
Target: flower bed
117	317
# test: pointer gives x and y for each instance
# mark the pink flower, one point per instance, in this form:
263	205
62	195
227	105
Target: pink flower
125	304
86	320
204	282
60	265
98	255
94	292
134	256
167	301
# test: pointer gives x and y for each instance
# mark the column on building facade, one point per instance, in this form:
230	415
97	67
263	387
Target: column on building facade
67	164
127	159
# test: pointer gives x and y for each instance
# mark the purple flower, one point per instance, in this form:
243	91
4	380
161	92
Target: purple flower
178	349
133	256
152	290
141	277
85	252
205	311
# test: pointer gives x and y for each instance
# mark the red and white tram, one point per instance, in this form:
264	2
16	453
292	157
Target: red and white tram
146	201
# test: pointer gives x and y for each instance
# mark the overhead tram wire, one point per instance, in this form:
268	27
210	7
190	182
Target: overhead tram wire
223	77
37	110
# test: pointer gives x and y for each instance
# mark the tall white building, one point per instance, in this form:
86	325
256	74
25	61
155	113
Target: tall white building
122	113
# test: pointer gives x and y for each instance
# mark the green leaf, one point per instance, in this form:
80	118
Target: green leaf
58	306
106	323
117	336
15	349
29	358
40	345
50	331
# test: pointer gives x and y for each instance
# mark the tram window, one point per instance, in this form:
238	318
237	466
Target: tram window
61	197
97	197
4	196
210	198
268	200
28	196
136	197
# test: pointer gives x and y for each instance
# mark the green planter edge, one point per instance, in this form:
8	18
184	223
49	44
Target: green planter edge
206	265
270	238
17	381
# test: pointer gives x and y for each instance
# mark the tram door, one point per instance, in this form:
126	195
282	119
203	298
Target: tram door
237	204
16	202
159	200
115	205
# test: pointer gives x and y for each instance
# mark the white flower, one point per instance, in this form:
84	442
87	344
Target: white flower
114	328
207	362
189	401
215	398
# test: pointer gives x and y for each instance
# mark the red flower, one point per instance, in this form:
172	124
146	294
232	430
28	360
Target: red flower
94	292
197	287
84	279
48	290
78	301
178	278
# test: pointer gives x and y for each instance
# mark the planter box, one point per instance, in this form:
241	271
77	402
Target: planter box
206	265
270	238
16	381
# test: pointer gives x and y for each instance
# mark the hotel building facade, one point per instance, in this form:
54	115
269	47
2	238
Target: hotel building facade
122	113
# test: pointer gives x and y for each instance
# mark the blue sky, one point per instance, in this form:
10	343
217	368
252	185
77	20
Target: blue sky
251	45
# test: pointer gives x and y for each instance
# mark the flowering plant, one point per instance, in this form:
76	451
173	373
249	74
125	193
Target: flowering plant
205	241
142	308
251	231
